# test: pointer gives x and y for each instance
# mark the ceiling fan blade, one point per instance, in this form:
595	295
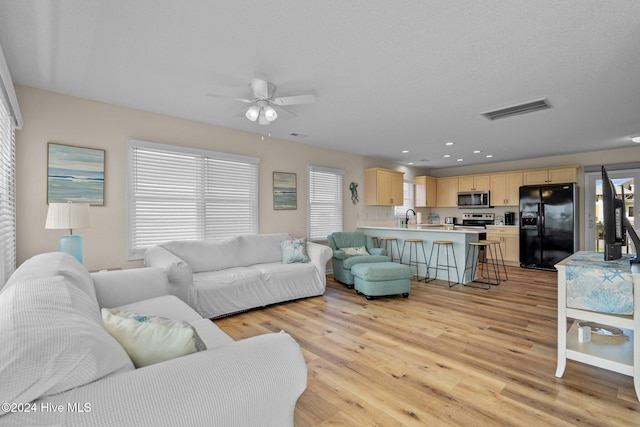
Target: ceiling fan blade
260	88
217	95
283	112
295	99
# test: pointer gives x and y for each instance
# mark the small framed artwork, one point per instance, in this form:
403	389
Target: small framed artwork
285	191
75	174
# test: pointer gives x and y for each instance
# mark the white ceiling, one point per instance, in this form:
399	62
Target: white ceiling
388	75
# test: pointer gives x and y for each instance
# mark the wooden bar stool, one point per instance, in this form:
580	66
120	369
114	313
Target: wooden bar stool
387	243
375	241
471	262
413	250
448	246
489	263
499	261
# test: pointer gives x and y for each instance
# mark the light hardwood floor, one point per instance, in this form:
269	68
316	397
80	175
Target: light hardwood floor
460	356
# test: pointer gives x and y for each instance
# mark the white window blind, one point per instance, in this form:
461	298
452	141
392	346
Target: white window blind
325	202
407	199
180	193
7	195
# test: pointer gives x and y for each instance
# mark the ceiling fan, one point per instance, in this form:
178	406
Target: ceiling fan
264	106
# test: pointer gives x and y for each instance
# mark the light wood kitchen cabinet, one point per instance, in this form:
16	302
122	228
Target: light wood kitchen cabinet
474	183
505	189
383	187
447	192
426	188
509	238
551	176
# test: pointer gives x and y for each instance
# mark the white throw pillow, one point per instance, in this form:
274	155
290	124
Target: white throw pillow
151	339
355	251
294	250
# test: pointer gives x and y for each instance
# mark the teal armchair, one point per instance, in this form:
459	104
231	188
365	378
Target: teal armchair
344	244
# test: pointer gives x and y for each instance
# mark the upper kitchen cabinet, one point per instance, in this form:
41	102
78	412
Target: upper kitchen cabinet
473	183
505	189
383	187
551	176
447	193
426	191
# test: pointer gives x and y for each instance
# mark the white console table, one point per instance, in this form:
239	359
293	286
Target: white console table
615	355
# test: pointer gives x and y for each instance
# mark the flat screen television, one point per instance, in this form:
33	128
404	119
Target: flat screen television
616	226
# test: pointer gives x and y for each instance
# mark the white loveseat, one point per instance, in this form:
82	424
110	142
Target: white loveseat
60	366
218	277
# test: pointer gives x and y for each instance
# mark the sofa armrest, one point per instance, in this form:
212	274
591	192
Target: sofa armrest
377	251
319	255
339	253
120	287
252	382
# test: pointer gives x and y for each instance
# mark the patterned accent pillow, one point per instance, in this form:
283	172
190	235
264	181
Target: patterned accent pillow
355	251
151	339
294	250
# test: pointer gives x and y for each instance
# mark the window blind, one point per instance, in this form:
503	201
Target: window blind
407	199
325	202
179	193
7	195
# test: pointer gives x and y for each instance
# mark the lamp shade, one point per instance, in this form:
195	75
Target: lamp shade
68	215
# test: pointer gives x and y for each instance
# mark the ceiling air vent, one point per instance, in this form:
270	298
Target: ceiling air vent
528	107
298	135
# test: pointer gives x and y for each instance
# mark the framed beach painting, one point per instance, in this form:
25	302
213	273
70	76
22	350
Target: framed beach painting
285	191
75	174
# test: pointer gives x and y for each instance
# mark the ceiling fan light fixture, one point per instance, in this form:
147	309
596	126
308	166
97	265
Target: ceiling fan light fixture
270	113
253	113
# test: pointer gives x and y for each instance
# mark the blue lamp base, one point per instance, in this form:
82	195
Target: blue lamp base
71	245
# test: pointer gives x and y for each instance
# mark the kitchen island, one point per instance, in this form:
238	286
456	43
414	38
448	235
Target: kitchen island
428	233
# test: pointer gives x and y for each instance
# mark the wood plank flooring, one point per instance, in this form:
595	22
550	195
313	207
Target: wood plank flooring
442	357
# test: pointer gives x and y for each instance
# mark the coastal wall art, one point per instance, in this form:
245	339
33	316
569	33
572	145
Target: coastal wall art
75	174
285	191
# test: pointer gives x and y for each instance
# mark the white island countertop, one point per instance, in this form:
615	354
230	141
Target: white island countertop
426	228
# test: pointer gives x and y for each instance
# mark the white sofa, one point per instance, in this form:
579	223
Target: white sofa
218	277
60	366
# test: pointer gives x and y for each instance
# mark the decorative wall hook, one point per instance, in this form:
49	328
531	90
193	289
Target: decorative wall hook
354	192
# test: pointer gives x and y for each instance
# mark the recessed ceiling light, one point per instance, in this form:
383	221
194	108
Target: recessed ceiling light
488	156
405	151
460	160
448	143
636	139
410	163
447	155
477	151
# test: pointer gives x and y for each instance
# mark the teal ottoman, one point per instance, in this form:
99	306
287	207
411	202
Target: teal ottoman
382	278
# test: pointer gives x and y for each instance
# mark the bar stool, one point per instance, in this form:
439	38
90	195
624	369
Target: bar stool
472	260
490	263
499	262
375	241
413	249
387	243
448	245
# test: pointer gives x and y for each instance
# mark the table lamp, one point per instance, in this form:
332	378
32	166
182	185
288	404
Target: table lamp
69	215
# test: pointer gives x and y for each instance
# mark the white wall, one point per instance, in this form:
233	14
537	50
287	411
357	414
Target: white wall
52	117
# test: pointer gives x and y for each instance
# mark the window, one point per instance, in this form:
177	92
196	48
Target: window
10	119
180	193
325	202
407	199
7	195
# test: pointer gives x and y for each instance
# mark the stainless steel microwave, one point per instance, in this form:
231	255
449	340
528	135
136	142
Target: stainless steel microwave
473	199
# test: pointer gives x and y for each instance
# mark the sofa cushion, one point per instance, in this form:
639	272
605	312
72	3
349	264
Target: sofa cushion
151	339
219	254
294	250
53	339
349	239
351	261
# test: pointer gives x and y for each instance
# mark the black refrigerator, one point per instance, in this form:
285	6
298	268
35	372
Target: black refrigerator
548	224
